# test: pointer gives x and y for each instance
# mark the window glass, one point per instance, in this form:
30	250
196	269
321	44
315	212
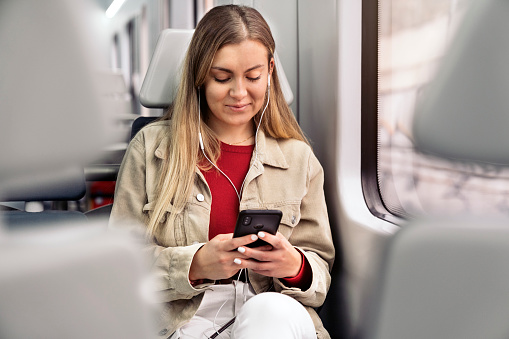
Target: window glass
134	63
115	53
202	7
413	36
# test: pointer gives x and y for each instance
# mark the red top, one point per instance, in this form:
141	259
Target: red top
234	162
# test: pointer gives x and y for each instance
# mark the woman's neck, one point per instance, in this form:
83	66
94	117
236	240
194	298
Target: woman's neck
247	141
242	135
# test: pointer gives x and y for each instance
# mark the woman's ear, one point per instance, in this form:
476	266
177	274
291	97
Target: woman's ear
271	66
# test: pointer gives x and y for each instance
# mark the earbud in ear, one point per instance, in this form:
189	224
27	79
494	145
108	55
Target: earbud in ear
269	80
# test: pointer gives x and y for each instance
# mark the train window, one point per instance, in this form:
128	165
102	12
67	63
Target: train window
202	7
144	56
164	14
178	14
411	37
134	63
115	53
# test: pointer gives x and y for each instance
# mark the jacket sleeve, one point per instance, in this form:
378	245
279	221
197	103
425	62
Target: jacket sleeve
312	236
169	264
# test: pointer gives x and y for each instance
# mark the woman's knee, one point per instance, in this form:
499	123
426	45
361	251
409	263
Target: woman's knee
274	305
273	315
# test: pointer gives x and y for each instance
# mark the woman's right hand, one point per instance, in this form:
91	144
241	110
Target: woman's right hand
215	259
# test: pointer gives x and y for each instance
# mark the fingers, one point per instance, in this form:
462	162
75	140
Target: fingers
215	259
260	256
242	258
242	241
279	259
266	268
261	253
274	240
227	243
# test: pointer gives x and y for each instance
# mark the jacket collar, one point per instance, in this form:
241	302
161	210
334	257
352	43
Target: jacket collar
269	152
161	151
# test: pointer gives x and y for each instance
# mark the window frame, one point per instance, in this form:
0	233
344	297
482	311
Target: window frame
369	114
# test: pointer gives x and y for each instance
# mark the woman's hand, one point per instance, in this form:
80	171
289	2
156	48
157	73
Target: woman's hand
280	261
215	259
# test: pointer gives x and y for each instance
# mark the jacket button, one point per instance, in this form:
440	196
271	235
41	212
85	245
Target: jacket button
200	197
294	219
163	331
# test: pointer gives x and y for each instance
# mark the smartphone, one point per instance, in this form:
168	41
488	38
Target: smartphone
254	221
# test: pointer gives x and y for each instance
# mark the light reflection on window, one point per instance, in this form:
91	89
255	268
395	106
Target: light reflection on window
413	36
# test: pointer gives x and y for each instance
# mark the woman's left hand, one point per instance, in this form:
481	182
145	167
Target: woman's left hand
281	261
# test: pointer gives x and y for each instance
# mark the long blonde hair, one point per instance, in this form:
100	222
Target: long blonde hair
222	25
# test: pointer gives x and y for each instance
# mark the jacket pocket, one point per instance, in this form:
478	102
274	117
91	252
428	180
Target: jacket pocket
167	235
291	216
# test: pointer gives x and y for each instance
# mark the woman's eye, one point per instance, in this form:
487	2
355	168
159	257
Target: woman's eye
221	80
254	79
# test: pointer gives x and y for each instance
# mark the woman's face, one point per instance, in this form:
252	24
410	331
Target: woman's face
235	87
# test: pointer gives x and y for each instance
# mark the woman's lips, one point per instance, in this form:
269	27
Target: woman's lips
238	107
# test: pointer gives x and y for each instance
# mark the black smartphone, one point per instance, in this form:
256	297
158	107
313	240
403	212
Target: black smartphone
254	221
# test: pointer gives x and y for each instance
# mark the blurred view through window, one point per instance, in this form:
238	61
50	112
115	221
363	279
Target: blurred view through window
413	36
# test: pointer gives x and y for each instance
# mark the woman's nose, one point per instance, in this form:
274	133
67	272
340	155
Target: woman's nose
238	89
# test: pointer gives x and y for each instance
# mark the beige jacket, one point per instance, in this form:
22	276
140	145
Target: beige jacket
286	175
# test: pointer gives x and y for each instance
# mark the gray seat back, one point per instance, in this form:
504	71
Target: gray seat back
445	279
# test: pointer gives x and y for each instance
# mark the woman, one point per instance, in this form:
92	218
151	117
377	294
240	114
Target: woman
230	142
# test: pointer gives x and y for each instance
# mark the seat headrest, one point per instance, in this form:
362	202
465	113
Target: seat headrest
50	112
439	268
63	184
161	81
163	75
464	111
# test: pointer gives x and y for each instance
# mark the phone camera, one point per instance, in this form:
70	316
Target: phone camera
246	220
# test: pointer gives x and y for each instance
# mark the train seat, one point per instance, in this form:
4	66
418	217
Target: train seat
445	278
458	118
100	214
68	279
139	123
109	173
31	192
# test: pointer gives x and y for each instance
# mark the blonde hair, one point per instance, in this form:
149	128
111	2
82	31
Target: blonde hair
184	156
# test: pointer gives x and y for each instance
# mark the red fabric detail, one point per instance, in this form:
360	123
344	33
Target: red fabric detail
234	162
303	279
101	193
195	283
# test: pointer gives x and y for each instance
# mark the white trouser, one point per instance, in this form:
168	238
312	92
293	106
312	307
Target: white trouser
266	315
